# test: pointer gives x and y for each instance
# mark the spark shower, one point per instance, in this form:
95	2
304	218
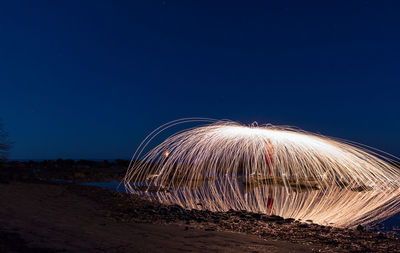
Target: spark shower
224	165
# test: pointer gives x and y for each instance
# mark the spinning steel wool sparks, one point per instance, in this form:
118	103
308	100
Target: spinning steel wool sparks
268	169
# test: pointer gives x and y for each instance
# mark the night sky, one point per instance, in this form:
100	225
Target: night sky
90	79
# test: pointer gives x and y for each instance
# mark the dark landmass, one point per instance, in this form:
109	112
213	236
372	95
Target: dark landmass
38	215
68	169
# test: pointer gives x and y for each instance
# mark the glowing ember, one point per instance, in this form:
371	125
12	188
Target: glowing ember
166	153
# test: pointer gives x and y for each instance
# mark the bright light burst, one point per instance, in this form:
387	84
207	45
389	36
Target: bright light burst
268	169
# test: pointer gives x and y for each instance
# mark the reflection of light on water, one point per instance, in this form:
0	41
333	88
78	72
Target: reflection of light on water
345	206
275	203
284	171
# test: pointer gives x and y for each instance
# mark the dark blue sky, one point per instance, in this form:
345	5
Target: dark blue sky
90	79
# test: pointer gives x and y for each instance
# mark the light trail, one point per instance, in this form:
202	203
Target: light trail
269	169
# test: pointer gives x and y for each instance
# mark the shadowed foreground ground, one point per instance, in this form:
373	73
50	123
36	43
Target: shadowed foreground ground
52	218
42	217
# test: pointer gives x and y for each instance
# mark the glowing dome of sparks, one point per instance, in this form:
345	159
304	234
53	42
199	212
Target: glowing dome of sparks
267	169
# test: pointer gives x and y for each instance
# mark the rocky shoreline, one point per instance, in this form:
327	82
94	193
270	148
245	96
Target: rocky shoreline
128	208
